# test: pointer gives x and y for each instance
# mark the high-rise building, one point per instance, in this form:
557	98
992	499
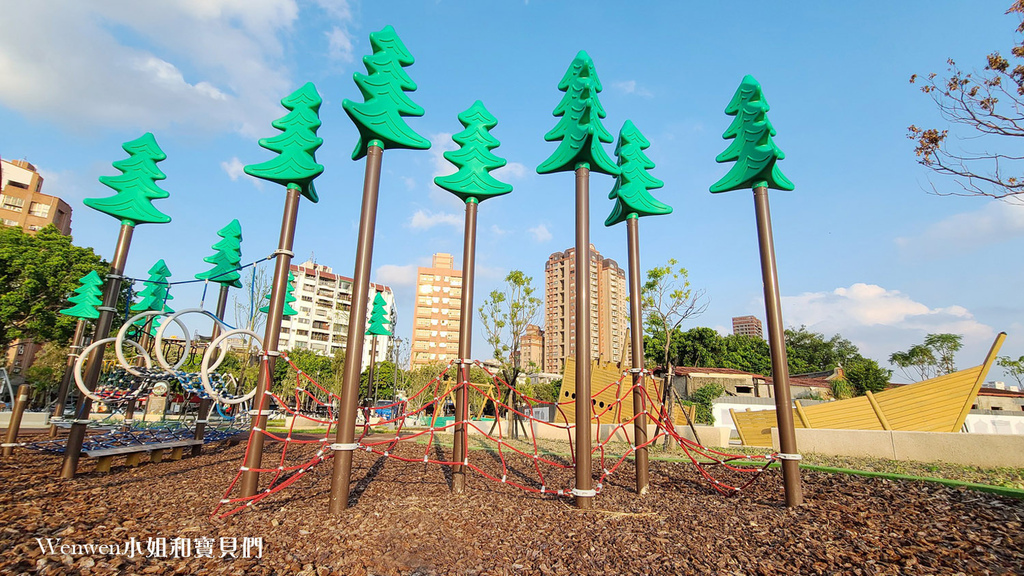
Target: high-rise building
23	204
747	326
436	320
608	309
531	348
323	301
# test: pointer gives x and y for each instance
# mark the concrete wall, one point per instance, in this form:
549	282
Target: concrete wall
986	450
28	419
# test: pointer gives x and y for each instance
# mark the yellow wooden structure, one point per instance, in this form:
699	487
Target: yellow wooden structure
607	385
938	404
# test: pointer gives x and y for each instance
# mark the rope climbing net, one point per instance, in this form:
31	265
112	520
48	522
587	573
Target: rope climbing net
519	438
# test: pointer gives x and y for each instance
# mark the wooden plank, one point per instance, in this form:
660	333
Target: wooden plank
989	360
138	448
803	417
878	410
739	429
103	465
134	459
176	453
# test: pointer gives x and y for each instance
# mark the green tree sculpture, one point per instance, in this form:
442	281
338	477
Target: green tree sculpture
136	186
378	318
473	182
86	298
295	165
228	257
379	117
288	299
634	180
154	295
752	147
579	129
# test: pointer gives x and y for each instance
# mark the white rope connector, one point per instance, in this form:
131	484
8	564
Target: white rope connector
202	421
503	478
83	421
274	353
260	412
339	446
543	489
465	462
784	456
10	444
256	429
287	253
243	468
584	493
128	421
225	501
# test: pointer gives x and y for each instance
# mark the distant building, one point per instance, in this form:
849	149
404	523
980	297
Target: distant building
608	309
23	204
531	348
323	301
747	326
436	319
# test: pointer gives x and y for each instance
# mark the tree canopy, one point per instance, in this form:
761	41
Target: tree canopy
985	107
505	315
37	274
934	357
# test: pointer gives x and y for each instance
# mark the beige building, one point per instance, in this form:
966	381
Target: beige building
747	326
531	348
435	333
23	204
323	301
609	311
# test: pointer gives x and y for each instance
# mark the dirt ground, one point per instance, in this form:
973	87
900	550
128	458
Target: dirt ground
403	519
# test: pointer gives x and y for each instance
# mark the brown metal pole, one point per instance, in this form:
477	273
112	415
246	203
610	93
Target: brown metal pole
344	445
637	335
14	426
76	436
460	448
254	452
584	491
206	404
65	382
777	345
222	306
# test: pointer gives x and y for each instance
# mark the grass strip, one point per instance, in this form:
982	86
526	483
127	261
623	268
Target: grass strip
999	490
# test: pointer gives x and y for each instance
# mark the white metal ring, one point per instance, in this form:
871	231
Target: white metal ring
85	354
204	368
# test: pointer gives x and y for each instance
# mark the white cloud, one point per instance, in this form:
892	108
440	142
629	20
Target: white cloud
540	233
394	275
410	183
631	87
967	231
234	168
425	220
881	321
498	230
215	65
339	45
439	144
511	171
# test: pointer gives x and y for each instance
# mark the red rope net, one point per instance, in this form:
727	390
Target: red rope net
419	421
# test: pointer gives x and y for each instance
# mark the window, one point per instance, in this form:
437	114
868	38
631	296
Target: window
11	222
302	332
39	209
12	203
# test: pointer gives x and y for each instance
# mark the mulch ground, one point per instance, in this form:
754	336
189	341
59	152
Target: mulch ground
403	519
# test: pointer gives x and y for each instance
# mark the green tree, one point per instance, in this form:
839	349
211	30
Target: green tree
747	353
378	317
37	273
86	298
136	186
1014	368
295	165
288	299
473	181
505	316
634	180
379	118
700	347
703	398
945	347
154	296
935	357
667	300
866	375
811	352
579	131
46	372
989	106
752	147
227	258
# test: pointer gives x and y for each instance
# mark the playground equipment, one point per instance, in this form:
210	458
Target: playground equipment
939	404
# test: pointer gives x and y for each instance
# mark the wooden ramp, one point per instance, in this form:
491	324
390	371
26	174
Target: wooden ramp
935	405
612	395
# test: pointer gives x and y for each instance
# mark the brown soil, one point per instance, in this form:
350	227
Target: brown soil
403	519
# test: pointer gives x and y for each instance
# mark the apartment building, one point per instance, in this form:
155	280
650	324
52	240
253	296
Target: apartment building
609	311
531	348
22	202
747	326
323	300
438	312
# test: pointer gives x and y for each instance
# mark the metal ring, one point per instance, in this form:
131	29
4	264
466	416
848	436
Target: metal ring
188	341
204	368
85	354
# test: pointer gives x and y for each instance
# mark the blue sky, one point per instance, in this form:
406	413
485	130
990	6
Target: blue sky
863	249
